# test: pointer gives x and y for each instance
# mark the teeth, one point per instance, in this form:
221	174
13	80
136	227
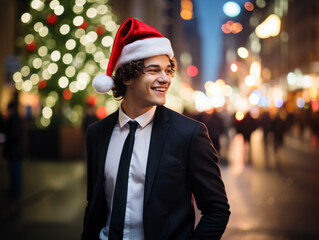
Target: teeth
159	89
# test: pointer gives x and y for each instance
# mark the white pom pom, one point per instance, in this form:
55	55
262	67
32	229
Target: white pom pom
102	83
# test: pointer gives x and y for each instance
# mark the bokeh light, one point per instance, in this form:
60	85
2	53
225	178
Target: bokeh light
232	27
254	97
239	116
234	67
63	82
192	70
315	105
64	29
249	6
300	102
250	80
101	112
26	18
47	112
278	102
67	94
231	9
186	9
242	52
269	28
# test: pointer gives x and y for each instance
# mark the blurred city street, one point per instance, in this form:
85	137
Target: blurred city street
248	69
273	201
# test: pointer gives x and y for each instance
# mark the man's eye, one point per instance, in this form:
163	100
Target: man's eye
152	70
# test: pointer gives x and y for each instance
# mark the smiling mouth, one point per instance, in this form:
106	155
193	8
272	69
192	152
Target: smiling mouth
159	89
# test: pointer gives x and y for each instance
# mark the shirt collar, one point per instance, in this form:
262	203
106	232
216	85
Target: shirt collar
143	120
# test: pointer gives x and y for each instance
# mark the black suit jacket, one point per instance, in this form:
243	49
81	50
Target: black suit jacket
182	163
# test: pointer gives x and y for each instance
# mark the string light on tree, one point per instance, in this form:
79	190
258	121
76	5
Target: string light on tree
65	44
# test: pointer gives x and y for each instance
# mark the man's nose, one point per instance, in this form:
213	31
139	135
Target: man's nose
163	77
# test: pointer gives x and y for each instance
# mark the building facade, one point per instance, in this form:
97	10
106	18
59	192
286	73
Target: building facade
287	60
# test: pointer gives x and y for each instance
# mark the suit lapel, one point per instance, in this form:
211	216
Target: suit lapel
104	140
104	136
158	138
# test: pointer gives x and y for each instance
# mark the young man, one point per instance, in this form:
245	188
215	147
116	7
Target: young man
145	191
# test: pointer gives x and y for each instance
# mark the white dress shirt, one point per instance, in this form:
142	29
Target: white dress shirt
133	225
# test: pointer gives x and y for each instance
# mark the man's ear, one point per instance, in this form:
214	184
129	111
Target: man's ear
128	82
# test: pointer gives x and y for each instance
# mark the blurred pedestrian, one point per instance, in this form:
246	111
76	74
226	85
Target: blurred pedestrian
314	126
13	149
215	127
265	124
2	136
246	126
279	129
149	195
225	137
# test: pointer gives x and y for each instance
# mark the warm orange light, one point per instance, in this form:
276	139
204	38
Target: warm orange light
266	74
313	92
269	28
315	105
210	111
186	91
208	84
186	14
42	83
28	99
290	107
67	94
233	67
101	112
239	116
91	100
237	27
187	4
249	6
232	27
186	9
220	82
229	24
225	29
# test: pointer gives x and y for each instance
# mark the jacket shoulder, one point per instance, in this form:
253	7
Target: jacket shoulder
102	123
181	118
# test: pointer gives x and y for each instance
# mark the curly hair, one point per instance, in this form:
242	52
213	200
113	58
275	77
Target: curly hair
130	70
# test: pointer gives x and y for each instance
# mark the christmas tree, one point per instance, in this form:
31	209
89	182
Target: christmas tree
66	44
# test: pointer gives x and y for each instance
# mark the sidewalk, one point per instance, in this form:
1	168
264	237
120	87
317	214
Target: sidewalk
275	196
53	198
310	146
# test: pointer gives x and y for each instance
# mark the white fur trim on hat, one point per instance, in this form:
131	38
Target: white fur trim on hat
102	83
145	48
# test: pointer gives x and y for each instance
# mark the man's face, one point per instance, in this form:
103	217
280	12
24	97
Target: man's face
150	88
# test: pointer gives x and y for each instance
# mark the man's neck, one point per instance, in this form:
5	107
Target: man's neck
132	110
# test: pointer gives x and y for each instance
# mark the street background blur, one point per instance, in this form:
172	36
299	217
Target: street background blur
248	69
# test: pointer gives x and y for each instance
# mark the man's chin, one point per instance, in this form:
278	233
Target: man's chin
160	103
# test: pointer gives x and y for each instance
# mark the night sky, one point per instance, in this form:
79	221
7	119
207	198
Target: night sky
211	17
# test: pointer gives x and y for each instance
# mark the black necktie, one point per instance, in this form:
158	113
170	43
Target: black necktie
120	192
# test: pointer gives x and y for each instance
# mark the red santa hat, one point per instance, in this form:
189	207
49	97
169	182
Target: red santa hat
134	40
